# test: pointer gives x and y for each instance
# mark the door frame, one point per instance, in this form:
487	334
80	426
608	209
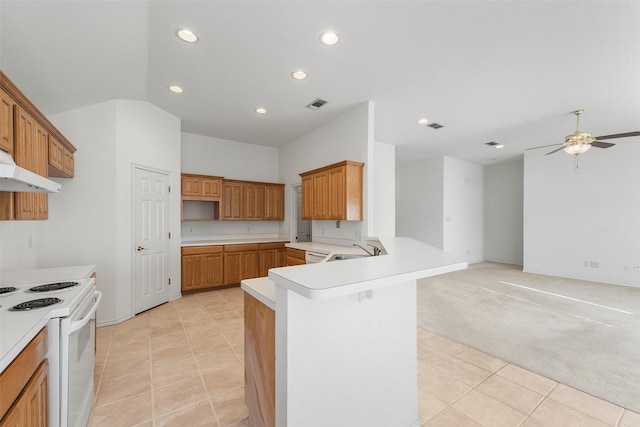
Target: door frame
132	234
293	225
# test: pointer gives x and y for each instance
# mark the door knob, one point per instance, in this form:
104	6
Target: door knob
140	248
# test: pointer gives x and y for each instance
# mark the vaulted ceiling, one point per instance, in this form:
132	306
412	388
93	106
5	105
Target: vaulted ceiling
509	72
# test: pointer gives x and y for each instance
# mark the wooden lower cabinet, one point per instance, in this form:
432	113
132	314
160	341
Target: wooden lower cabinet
296	257
32	408
209	267
202	268
259	362
241	262
272	255
24	387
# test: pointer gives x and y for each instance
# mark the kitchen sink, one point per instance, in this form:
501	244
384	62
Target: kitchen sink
342	257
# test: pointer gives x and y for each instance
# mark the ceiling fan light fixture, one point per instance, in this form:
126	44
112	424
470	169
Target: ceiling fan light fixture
577	149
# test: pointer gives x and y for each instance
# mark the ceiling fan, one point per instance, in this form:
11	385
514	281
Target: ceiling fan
579	142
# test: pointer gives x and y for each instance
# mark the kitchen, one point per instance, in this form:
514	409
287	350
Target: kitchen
113	135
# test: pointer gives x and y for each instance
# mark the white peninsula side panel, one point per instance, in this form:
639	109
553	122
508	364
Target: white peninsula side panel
347	361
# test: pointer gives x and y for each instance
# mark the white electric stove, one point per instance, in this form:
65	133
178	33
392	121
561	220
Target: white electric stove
68	307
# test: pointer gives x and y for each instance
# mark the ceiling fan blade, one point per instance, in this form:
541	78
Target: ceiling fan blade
601	144
556	150
619	135
543	146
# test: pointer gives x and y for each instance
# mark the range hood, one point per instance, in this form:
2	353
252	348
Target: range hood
15	178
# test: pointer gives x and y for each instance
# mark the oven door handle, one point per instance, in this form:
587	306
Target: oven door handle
80	323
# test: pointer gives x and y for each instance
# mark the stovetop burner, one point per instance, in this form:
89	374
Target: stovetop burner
7	289
36	303
53	287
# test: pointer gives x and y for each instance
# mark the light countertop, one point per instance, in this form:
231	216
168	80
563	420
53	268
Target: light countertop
324	248
263	289
406	259
233	241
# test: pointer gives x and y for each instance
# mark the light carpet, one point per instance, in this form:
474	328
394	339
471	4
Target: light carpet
582	334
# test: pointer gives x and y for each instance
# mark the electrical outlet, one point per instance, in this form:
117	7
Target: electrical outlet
625	268
248	229
585	263
594	264
30	241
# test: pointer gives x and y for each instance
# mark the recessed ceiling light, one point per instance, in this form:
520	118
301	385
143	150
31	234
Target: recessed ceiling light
187	35
494	144
423	122
261	110
299	75
499	146
329	38
176	89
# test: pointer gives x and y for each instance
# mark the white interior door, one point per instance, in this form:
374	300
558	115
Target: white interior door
152	239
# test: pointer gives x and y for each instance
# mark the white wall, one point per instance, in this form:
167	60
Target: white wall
503	207
383	198
232	160
463	209
590	214
419	206
347	137
440	202
90	220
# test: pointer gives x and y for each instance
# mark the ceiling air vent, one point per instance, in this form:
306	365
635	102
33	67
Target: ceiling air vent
492	143
435	125
316	104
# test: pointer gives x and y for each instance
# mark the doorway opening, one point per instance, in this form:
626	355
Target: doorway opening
303	229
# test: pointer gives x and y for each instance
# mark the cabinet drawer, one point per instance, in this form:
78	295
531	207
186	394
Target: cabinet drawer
276	245
296	254
242	248
199	250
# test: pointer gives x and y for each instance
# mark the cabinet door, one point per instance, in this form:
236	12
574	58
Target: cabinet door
232	208
37	397
212	270
253	195
69	164
267	261
56	154
191	186
281	257
321	195
274	202
250	265
6	122
41	167
307	197
25	134
336	193
232	268
212	188
191	272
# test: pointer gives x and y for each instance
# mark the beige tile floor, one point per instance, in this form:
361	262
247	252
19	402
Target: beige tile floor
181	364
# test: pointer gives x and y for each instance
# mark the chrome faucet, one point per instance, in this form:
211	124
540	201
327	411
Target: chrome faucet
376	250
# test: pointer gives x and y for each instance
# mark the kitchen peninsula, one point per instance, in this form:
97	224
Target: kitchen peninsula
344	338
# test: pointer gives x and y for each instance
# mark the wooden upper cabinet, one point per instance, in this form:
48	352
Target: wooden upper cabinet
35	145
61	161
274	202
307	197
31	153
232	198
6	122
254	204
201	187
252	201
333	192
